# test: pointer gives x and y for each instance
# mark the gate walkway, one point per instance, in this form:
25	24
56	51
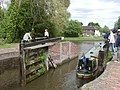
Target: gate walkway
109	80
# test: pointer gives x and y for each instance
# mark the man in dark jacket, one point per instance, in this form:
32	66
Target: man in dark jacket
118	44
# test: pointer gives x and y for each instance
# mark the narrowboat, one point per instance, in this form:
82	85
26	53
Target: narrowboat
93	62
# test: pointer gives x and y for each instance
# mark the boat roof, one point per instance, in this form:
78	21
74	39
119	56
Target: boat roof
94	51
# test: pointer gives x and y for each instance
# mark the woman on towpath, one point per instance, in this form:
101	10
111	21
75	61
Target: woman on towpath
112	42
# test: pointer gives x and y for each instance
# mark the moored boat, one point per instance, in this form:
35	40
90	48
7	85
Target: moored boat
93	62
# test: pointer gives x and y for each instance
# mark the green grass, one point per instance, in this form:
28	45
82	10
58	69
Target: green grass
84	38
5	45
108	57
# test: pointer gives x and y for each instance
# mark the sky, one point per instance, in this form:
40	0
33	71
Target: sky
104	12
5	3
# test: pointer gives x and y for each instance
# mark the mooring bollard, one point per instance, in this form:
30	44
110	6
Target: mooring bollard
101	57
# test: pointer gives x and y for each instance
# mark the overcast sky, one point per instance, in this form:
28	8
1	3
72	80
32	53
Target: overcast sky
105	12
5	3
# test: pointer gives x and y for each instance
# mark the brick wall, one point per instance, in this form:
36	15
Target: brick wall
62	51
74	50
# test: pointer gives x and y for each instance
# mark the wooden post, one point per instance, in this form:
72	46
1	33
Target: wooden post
101	57
22	69
46	61
69	51
61	52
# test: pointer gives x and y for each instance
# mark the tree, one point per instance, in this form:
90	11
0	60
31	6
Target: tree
1	14
58	14
1	19
96	25
117	24
23	15
105	29
9	23
73	29
91	24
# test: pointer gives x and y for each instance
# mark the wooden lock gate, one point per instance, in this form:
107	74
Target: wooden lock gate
32	58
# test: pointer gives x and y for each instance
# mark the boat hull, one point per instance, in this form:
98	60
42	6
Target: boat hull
94	74
84	76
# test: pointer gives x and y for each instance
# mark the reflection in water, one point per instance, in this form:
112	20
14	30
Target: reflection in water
62	78
81	82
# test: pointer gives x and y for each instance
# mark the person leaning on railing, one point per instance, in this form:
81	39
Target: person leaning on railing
46	33
118	45
27	37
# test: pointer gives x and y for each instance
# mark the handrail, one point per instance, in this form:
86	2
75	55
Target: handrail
40	41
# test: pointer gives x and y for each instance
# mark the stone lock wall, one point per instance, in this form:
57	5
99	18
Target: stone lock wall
9	70
10	74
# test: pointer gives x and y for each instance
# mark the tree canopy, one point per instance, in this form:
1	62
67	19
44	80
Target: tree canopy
105	29
1	14
23	15
73	29
96	25
117	24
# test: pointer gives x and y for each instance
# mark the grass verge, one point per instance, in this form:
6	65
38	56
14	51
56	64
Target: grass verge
5	45
84	38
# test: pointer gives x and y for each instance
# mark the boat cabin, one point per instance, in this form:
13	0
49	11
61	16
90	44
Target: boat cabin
88	63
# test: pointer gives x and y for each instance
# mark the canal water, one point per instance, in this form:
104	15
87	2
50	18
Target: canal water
62	78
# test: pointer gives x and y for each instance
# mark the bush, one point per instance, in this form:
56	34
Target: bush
108	57
70	33
40	27
42	56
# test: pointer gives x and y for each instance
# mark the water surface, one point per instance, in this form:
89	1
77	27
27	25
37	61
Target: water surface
62	78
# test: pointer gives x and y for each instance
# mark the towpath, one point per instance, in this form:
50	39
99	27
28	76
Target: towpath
109	80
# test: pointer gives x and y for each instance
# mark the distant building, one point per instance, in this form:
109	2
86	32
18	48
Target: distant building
97	33
89	30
